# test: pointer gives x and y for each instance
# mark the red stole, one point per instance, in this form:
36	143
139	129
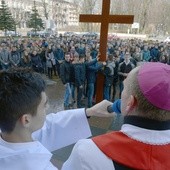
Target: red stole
134	154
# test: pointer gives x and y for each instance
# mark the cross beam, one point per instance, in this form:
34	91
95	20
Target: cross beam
119	19
105	18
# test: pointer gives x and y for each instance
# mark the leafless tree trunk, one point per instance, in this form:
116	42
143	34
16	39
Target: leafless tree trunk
45	6
88	7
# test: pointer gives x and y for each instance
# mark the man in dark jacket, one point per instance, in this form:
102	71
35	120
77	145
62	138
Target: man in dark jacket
43	59
72	76
59	57
155	54
80	77
36	62
15	57
65	77
4	57
115	77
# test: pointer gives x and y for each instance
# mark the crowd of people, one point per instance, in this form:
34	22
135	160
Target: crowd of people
75	60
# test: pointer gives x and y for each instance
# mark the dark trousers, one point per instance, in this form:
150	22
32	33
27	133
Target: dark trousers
114	91
79	97
54	69
58	68
50	71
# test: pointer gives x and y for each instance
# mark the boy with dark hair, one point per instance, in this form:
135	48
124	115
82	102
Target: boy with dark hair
27	134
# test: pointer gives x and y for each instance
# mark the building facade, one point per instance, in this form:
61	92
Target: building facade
60	13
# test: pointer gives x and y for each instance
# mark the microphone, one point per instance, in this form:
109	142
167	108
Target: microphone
115	107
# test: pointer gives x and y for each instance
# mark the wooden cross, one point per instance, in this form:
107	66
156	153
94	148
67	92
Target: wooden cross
105	18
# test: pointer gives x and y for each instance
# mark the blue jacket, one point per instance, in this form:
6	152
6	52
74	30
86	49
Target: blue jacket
146	55
94	53
65	72
36	61
155	54
91	72
109	73
15	58
81	51
80	72
58	54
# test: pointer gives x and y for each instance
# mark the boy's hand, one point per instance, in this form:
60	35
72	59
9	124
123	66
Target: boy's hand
100	110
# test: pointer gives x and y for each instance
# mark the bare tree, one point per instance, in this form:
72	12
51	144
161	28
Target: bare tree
45	9
161	18
77	2
88	7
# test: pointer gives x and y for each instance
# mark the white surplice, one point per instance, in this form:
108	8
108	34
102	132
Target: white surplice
59	130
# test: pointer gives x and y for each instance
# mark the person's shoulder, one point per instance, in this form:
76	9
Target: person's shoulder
84	147
86	150
84	142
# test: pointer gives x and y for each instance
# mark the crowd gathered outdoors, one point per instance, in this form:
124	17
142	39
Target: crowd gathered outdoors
76	60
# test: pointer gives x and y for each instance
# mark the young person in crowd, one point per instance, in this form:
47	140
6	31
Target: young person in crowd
28	135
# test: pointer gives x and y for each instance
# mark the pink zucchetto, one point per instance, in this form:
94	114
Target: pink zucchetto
154	83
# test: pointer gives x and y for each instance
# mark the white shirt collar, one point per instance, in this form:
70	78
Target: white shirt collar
154	137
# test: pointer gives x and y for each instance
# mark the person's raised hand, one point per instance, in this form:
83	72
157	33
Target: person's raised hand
104	63
100	110
98	56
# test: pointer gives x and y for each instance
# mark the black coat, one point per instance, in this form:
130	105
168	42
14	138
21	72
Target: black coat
65	72
80	74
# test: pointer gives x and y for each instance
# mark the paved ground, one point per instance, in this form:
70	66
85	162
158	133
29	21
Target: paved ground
55	92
